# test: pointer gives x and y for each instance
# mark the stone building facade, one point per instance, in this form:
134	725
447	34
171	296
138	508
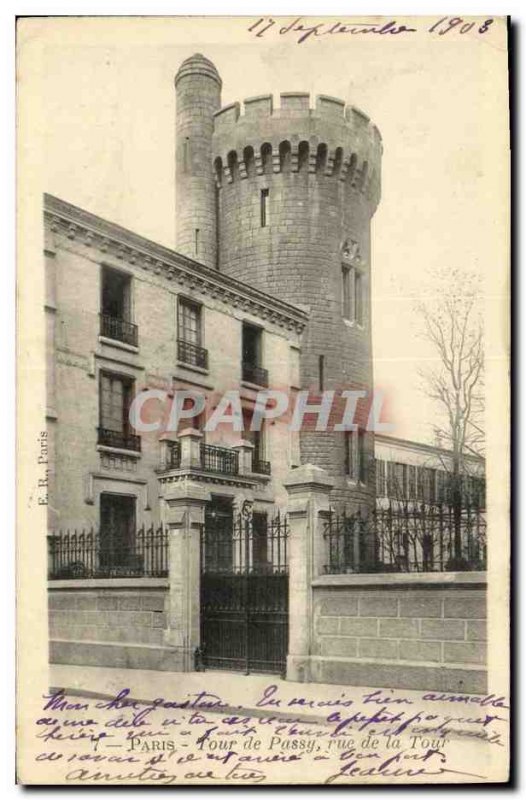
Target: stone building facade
87	348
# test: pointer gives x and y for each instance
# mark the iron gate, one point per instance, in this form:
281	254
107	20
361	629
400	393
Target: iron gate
244	592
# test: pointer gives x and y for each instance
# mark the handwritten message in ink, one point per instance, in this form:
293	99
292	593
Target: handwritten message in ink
301	29
202	737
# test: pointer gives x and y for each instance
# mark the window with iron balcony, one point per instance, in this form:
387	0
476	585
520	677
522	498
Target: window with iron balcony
252	369
190	334
115	317
259	465
116	393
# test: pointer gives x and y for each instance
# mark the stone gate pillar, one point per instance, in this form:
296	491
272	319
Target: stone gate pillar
309	489
183	509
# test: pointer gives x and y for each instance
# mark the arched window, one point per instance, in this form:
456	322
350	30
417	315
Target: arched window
351	170
303	156
338	160
284	157
232	164
248	158
266	158
321	158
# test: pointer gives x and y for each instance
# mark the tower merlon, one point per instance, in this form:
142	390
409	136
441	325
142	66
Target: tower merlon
259	106
331	106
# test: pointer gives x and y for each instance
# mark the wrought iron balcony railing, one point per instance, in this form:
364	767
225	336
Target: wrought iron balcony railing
252	373
190	353
260	467
124	441
119	329
219	459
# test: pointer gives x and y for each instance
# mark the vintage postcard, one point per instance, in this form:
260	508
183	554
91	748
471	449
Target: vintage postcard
263	403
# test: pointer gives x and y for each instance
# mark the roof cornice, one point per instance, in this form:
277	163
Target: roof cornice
409	444
93	231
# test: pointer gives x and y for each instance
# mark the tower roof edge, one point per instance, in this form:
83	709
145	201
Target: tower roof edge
198	64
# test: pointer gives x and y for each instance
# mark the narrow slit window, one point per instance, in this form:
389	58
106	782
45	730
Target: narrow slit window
358	297
346	292
321	368
352	294
355	464
197	241
264	207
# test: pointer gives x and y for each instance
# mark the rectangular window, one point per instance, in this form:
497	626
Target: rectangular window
411	482
116	393
355	455
189	334
116	294
380	478
420	492
441	486
264	207
399	475
391	480
117	532
346	292
321	371
189	322
116	307
252	355
257	438
352	294
429	485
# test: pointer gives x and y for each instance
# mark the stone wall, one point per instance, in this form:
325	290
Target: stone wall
401	631
118	623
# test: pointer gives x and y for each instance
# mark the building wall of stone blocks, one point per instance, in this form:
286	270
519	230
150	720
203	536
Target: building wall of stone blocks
77	355
108	626
403	636
298	256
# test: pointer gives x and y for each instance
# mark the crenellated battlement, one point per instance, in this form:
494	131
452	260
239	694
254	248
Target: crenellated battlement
330	139
295	104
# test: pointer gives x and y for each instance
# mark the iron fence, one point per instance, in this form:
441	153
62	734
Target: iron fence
90	554
406	538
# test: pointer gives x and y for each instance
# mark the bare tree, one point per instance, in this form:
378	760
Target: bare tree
453	325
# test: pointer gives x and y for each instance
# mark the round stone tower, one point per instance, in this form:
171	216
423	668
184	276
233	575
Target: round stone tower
198	95
295	190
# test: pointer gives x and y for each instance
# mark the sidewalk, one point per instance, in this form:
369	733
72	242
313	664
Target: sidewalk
245	694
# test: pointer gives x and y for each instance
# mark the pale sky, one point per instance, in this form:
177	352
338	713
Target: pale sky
107	137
